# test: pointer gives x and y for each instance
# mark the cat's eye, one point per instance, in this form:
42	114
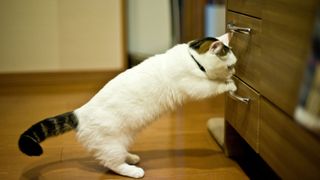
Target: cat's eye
224	51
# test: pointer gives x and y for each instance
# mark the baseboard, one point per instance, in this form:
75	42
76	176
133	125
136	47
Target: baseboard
56	81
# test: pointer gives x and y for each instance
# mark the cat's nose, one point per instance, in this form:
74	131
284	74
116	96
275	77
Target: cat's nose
230	67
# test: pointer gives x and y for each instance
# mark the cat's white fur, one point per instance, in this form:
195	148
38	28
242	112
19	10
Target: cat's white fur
109	122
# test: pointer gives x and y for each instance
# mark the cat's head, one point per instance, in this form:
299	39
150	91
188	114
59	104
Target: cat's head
214	57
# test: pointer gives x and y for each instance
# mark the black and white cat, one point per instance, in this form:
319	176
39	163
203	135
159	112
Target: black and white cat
108	123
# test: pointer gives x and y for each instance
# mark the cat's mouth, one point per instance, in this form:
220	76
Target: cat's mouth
231	70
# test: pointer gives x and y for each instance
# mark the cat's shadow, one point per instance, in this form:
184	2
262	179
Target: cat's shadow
183	158
150	159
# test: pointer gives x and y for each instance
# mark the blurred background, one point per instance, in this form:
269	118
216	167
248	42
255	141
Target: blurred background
81	35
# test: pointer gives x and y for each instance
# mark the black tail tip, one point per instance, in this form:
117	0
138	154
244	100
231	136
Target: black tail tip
29	146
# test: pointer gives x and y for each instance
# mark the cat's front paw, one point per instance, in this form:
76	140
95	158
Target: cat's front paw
229	81
231	86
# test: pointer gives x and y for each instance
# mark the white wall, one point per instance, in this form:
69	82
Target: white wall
149	26
60	35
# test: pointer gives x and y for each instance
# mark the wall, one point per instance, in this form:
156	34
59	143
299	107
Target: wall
149	26
215	20
61	35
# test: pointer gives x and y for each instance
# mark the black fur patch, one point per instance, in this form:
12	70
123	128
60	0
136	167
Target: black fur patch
196	44
29	146
30	139
203	45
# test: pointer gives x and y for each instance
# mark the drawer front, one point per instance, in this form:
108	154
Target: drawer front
290	150
286	38
247	48
244	117
248	7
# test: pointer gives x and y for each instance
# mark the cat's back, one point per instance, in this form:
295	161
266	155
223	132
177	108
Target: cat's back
140	81
143	91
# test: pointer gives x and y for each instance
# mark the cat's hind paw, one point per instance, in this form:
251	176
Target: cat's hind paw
137	173
132	159
129	170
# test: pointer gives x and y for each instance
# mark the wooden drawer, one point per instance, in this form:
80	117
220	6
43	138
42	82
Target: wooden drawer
244	117
290	150
247	48
249	7
285	40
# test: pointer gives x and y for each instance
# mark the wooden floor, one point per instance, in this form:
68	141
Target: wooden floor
177	146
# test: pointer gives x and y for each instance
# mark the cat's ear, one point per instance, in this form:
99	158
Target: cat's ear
225	38
216	47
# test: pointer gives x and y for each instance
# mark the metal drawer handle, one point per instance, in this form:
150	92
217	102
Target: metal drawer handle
234	28
238	98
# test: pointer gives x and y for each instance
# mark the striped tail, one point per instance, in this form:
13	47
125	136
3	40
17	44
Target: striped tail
30	139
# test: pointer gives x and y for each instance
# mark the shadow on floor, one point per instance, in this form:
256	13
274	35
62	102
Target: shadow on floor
150	159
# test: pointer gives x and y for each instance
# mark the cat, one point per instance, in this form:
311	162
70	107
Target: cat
108	123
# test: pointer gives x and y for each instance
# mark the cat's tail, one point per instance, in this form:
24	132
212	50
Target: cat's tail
29	142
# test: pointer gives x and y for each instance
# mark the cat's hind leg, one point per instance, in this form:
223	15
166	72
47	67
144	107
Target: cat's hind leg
114	155
124	169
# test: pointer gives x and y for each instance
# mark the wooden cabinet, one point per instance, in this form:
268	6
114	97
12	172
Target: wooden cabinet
247	48
269	71
243	116
286	38
287	147
248	7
